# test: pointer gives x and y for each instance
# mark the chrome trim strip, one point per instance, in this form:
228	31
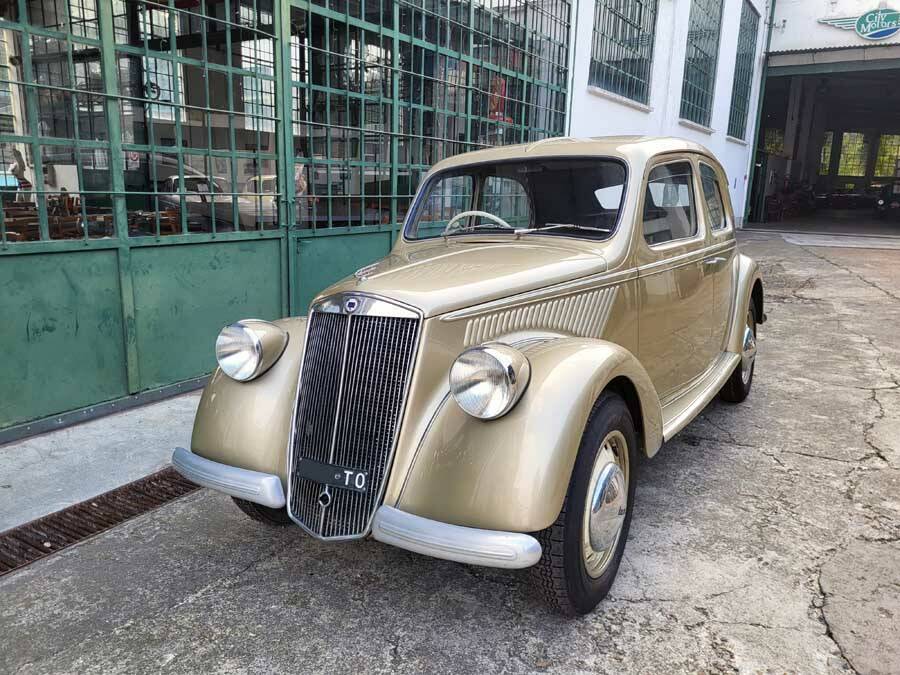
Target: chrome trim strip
366	305
254	486
683	259
470	545
599	280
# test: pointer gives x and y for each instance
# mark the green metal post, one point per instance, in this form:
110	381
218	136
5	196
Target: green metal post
284	139
395	117
754	138
109	68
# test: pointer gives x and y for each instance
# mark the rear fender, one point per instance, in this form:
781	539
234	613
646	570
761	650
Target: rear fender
747	276
512	473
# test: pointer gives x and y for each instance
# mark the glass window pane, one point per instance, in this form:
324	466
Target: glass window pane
669	204
712	198
78	17
622	48
508	199
773	141
566	197
854	154
701	60
743	71
888	154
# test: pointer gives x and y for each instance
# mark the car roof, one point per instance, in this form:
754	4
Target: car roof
635	149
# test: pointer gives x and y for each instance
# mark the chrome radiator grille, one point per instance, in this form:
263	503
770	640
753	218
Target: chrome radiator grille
355	371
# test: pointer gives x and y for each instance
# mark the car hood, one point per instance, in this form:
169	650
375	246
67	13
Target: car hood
439	276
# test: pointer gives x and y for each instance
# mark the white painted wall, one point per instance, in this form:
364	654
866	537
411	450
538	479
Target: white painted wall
796	25
597	113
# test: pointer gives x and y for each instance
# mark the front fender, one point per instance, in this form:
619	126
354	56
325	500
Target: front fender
746	272
512	473
246	424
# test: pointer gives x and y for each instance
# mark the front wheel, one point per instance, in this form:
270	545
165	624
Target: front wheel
737	388
263	514
583	548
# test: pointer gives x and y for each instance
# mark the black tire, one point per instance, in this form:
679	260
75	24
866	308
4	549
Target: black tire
736	389
264	514
561	574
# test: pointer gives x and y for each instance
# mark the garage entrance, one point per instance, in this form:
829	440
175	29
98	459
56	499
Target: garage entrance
828	153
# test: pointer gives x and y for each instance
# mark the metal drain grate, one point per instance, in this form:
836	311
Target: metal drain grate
32	541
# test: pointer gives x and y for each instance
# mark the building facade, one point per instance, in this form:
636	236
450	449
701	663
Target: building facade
689	68
830	136
170	166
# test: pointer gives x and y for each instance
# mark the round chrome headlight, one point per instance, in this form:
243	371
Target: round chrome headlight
880	202
248	348
487	381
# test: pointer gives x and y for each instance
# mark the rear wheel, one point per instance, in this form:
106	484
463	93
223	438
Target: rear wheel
583	548
263	514
738	385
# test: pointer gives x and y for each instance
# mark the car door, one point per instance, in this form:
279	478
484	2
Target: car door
719	261
676	293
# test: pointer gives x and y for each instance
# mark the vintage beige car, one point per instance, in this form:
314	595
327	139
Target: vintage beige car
550	316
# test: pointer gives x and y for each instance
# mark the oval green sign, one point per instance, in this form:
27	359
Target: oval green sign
878	24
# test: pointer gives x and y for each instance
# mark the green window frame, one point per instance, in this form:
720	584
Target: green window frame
743	71
622	47
700	61
374	104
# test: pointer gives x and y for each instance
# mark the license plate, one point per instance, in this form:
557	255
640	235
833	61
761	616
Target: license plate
333	475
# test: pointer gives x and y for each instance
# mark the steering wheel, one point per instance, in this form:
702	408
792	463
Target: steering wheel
480	214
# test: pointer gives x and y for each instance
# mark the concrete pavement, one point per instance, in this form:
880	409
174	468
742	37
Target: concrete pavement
49	472
766	538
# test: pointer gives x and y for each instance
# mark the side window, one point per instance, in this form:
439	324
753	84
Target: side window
712	196
669	204
507	198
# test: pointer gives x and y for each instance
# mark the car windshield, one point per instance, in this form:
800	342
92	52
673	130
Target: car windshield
578	197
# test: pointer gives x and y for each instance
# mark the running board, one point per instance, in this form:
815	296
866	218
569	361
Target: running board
678	412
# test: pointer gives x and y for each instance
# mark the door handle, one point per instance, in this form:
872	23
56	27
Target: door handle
716	260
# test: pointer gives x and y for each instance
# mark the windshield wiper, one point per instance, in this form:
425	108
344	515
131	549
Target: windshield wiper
476	226
557	226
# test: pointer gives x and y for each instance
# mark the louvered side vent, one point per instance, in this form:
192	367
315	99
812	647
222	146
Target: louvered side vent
355	372
583	315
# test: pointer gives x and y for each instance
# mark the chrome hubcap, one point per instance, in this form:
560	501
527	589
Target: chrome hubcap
748	349
606	504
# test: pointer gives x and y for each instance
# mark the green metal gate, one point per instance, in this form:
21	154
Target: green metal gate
169	167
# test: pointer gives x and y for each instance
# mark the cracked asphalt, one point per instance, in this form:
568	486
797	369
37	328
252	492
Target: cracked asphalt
766	538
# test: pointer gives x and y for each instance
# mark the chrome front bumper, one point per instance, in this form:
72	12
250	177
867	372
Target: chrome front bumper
489	548
261	488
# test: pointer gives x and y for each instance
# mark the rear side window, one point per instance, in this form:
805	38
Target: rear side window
712	198
669	204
